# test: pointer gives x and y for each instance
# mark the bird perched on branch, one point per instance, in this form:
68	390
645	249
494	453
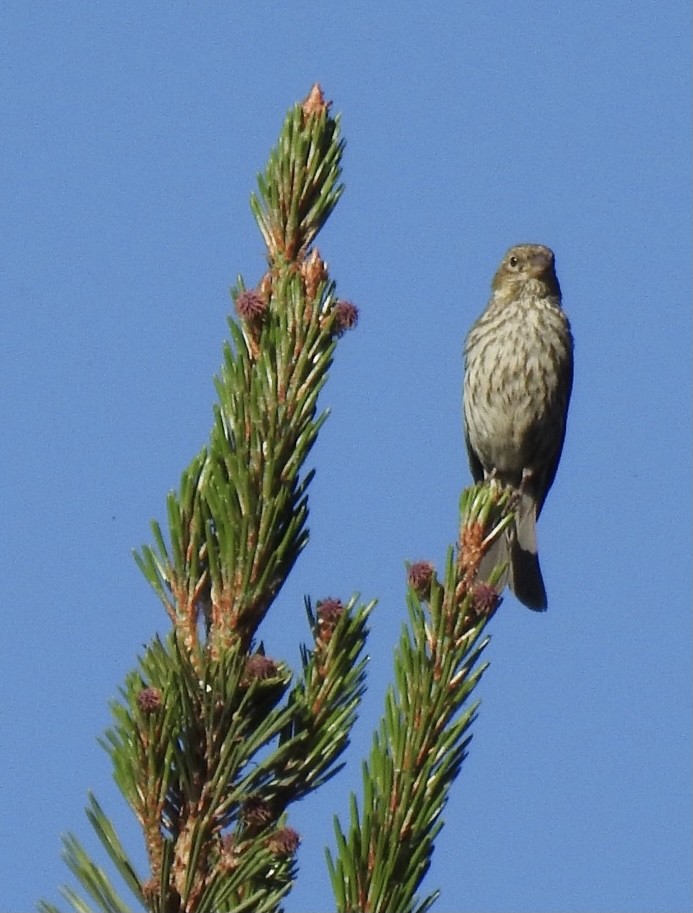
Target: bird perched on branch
517	383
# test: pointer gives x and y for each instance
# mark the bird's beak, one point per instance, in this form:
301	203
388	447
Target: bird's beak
540	262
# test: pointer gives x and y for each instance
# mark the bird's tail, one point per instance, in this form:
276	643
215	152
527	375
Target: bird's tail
517	549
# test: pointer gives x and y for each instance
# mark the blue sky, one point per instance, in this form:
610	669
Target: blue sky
130	138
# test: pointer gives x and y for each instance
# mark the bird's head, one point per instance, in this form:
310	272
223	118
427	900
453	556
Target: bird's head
526	266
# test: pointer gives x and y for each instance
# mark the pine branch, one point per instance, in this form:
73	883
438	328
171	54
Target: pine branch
239	522
424	735
210	742
326	698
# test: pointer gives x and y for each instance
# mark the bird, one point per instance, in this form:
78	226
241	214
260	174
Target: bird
518	378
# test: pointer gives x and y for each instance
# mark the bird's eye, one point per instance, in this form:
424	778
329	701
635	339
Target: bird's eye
513	262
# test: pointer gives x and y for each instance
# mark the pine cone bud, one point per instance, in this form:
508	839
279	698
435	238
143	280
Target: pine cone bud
485	599
259	668
150	700
284	842
314	272
329	611
251	306
314	102
346	316
420	576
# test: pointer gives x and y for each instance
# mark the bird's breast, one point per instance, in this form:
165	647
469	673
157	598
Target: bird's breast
516	359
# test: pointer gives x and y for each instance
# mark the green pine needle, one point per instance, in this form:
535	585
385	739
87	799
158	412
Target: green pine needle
423	738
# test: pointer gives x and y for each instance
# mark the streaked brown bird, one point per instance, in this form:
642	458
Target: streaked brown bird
517	383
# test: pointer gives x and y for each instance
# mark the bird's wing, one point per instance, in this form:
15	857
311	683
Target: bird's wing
474	461
567	381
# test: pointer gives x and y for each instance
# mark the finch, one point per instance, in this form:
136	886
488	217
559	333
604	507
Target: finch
517	382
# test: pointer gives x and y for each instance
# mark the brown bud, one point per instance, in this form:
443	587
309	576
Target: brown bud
471	548
346	316
251	306
329	611
149	700
314	102
314	272
284	842
259	668
419	577
485	599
